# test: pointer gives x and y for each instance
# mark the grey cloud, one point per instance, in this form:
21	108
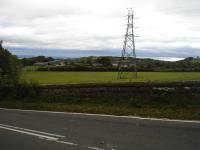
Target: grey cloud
180	52
28	9
44	29
185	8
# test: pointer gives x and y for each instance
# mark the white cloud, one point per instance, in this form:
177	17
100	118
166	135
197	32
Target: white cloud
99	24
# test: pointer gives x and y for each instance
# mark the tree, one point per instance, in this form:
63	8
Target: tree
9	67
33	60
105	61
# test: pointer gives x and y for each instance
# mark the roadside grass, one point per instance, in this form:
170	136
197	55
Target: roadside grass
167	106
164	112
105	77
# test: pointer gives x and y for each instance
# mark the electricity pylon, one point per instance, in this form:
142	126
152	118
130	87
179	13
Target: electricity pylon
127	64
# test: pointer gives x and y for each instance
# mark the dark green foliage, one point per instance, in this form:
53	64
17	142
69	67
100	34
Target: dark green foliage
33	60
79	68
9	67
25	90
177	104
110	64
20	91
104	61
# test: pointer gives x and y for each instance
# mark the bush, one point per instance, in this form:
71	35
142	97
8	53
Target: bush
25	90
9	67
20	91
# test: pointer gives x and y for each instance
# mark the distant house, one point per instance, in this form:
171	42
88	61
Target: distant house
51	63
60	63
114	64
41	64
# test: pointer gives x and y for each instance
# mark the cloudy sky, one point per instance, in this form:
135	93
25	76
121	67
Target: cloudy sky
167	28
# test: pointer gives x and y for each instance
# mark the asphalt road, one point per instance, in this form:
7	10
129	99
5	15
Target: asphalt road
32	130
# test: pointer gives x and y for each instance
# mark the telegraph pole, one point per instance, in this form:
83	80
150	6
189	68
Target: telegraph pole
127	67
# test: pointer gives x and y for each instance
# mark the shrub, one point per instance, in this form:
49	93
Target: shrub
9	67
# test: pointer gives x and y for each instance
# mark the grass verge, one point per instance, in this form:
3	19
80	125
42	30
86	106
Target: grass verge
171	111
179	103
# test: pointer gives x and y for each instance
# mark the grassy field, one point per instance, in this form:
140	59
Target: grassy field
106	77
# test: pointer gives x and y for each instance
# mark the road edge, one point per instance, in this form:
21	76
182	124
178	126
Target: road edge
106	115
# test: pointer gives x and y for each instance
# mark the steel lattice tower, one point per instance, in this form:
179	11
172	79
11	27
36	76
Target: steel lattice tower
127	64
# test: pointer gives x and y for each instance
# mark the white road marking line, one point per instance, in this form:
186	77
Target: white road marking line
94	148
33	131
68	143
113	116
41	135
30	133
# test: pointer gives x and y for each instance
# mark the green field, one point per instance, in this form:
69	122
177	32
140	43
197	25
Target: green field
106	77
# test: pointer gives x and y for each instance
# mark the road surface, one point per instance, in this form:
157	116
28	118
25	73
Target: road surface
35	130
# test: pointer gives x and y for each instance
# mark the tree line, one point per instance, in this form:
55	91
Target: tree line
111	64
